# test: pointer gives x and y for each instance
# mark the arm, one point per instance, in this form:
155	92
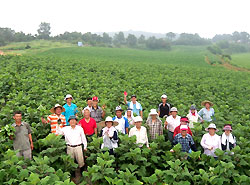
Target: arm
84	140
126	125
161	129
96	131
147	144
125	100
192	145
114	138
95	127
141	114
31	142
205	146
103	112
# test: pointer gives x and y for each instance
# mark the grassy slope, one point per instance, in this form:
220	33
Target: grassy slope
241	60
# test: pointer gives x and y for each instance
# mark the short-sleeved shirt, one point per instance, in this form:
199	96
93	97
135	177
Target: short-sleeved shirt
96	114
53	120
136	110
164	109
69	111
185	142
173	122
88	127
21	141
123	124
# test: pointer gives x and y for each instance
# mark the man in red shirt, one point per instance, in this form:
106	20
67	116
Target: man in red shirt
184	121
88	124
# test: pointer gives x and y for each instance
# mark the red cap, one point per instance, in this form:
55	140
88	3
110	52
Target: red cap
95	98
185	119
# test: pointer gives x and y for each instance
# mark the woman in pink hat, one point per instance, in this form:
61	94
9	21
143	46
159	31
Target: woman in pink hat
228	140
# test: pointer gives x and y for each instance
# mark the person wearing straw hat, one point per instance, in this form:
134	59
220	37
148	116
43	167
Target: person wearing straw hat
207	112
211	141
70	108
185	139
164	107
140	132
109	135
193	116
172	122
228	140
129	115
184	121
123	124
56	120
74	138
154	124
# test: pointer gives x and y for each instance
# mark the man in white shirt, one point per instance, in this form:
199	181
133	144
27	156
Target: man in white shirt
172	122
75	137
140	132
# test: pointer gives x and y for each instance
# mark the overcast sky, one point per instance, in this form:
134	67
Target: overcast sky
206	17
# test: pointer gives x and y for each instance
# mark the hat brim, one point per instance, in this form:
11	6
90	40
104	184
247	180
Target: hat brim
72	118
205	102
216	130
153	114
68	98
119	110
52	110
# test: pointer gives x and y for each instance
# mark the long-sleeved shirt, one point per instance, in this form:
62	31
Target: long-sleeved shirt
207	115
74	136
155	128
208	141
173	122
141	135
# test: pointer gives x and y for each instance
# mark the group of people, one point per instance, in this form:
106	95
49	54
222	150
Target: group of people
64	121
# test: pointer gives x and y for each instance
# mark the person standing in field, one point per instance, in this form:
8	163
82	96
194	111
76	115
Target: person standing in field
228	140
89	103
140	132
96	112
88	124
172	122
185	139
193	116
70	108
129	115
56	119
75	138
134	105
207	113
22	140
109	135
211	141
154	124
184	121
123	124
164	107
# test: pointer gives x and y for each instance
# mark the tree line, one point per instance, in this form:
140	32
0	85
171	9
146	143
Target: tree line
236	41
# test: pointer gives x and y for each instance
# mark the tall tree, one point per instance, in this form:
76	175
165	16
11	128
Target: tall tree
142	39
106	38
44	30
119	39
131	40
170	35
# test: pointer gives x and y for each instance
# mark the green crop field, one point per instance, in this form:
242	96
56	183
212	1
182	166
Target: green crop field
241	60
36	81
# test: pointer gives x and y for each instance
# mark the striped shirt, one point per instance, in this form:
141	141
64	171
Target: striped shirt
53	120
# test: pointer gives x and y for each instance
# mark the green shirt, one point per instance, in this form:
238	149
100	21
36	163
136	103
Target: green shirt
21	141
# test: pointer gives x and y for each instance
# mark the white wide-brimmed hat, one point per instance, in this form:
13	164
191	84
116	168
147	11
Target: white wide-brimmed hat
212	125
153	112
68	96
138	119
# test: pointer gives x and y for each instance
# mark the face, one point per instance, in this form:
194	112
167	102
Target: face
138	124
207	105
174	113
89	102
17	117
183	123
58	110
211	131
69	100
119	114
227	132
95	102
128	113
183	132
153	116
164	100
86	113
133	99
193	110
72	122
109	124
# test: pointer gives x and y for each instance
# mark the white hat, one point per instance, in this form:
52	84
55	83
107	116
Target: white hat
212	125
138	119
164	96
109	119
153	112
183	127
68	96
118	108
173	109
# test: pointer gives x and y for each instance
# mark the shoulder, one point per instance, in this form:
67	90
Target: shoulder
126	119
143	128
26	124
79	127
160	104
177	135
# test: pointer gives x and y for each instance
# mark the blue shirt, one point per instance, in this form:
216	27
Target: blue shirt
123	124
69	111
207	115
135	110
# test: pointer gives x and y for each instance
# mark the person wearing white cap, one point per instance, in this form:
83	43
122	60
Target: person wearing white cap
172	122
211	141
164	107
70	108
140	132
154	124
123	122
109	135
129	115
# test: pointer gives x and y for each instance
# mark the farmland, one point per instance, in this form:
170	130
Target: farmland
242	60
36	81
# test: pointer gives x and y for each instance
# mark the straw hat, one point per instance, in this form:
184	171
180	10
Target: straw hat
205	102
52	110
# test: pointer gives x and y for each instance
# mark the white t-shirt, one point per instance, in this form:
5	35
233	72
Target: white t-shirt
173	122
